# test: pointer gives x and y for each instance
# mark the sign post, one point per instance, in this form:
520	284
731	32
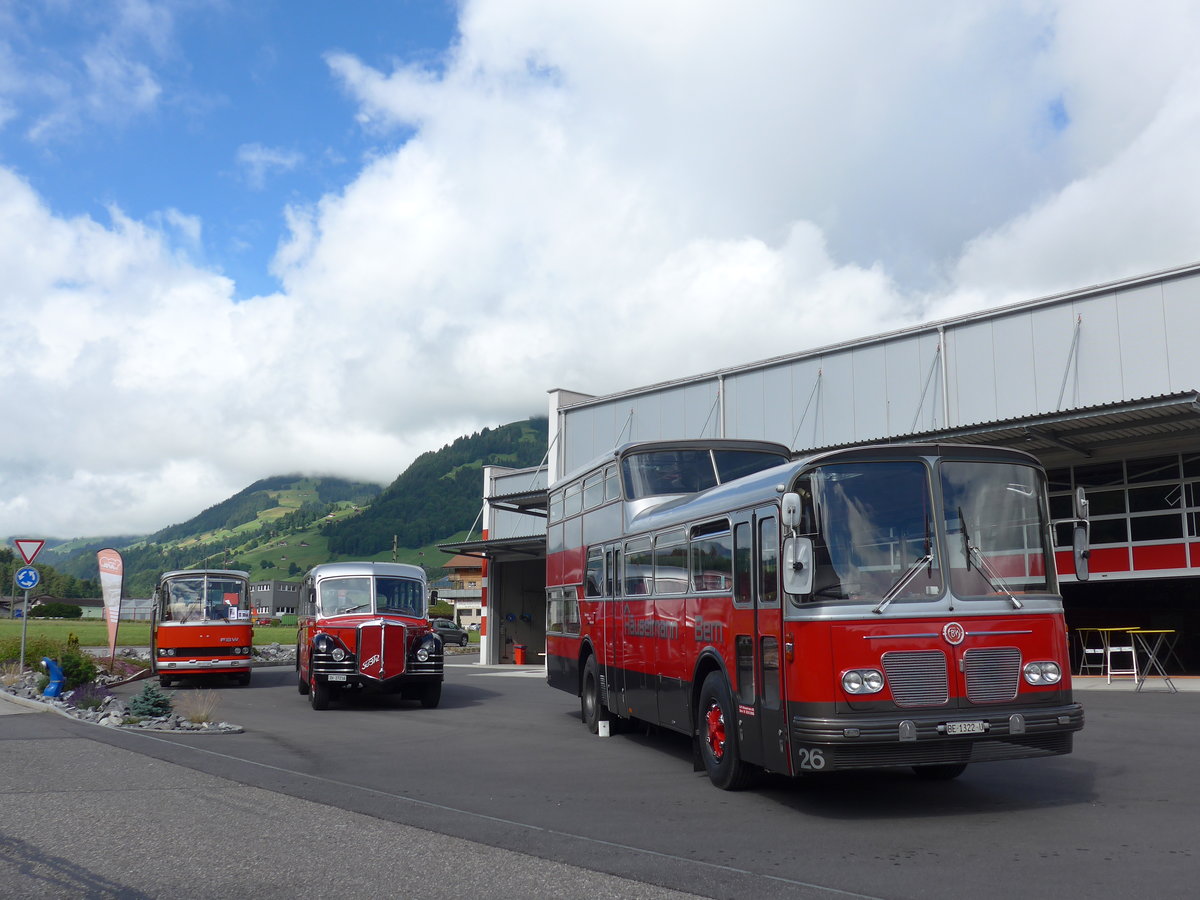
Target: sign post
27	578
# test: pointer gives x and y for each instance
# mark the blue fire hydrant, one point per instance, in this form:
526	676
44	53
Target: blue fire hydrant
57	679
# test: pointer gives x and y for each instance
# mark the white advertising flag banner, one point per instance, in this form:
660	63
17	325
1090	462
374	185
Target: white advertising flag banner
112	577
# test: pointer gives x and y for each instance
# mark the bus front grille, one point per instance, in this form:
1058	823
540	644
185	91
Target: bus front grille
917	678
992	673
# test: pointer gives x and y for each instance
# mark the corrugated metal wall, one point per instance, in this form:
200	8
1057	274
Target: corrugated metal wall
1119	342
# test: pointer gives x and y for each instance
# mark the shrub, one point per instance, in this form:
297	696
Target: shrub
151	702
36	646
90	696
56	610
78	668
197	706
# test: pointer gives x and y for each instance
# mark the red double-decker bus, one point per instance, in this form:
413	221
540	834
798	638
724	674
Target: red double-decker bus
862	608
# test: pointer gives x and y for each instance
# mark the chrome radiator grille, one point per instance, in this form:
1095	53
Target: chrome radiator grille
992	674
917	678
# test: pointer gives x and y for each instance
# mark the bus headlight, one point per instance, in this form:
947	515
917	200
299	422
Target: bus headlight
323	643
428	647
1042	673
862	681
338	654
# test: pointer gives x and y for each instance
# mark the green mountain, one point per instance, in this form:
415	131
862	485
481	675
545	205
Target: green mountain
279	527
439	494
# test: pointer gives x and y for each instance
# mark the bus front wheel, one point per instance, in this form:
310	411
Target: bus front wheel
318	694
431	695
718	736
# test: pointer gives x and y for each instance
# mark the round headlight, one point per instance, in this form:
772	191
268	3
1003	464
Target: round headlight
339	654
1043	673
422	653
862	681
323	643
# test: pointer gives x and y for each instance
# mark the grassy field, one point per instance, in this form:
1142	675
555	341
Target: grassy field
94	633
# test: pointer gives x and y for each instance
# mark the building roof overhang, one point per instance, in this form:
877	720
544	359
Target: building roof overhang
501	549
1072	436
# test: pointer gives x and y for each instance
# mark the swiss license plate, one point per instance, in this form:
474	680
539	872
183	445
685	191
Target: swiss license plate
965	727
336	677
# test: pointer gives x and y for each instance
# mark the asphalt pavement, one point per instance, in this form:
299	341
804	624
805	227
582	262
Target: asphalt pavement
82	817
84	814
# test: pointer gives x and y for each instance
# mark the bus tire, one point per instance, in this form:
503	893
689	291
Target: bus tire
318	694
301	682
164	681
718	736
589	696
431	695
940	773
244	679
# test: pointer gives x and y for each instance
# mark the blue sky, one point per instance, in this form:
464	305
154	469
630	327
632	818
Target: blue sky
245	116
245	239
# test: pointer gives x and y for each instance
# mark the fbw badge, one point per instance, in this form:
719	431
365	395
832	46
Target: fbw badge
27	577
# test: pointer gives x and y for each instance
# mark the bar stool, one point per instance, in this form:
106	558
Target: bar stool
1119	642
1091	650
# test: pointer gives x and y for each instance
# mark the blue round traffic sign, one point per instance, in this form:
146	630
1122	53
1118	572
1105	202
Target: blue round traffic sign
27	577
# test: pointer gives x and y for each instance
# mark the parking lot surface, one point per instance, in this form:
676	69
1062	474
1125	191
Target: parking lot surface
502	792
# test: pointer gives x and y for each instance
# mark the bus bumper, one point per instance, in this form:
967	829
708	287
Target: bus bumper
946	737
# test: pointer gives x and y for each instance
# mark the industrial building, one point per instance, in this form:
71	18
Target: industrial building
1101	384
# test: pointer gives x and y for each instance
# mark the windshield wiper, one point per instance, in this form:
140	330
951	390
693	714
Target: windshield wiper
902	583
993	577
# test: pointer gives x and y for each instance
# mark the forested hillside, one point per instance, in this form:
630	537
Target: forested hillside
440	493
278	527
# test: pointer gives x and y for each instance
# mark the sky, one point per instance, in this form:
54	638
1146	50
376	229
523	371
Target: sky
247	239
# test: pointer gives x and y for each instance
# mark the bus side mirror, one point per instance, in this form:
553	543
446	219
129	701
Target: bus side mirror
791	510
433	596
1080	535
1079	547
797	565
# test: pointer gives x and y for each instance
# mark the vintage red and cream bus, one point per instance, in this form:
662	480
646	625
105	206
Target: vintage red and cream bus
201	625
365	626
861	608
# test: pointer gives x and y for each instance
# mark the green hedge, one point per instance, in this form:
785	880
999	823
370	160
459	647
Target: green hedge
56	610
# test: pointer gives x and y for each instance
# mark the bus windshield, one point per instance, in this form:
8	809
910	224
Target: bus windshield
997	529
872	529
202	598
340	596
404	596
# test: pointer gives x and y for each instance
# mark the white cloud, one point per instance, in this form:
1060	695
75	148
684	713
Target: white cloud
257	161
596	197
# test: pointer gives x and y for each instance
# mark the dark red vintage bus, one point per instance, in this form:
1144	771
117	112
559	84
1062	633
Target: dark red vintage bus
364	626
862	608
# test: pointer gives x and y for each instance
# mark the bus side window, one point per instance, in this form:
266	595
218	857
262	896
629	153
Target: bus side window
745	669
768	562
595	572
742	568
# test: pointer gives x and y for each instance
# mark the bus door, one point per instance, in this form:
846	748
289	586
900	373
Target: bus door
611	668
762	719
632	630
